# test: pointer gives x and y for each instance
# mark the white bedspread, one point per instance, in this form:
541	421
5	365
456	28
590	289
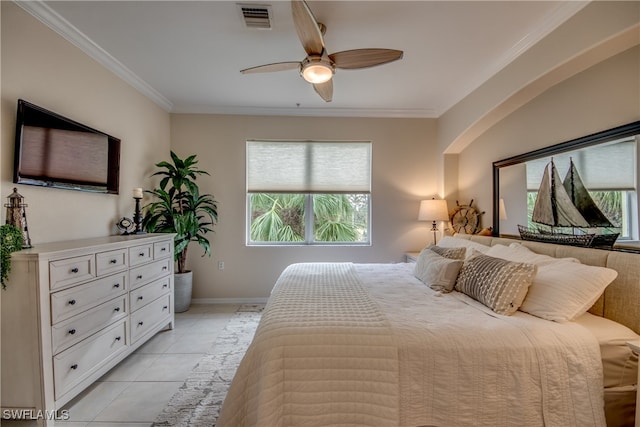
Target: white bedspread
370	345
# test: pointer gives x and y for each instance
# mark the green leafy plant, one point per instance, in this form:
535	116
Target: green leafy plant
11	237
180	208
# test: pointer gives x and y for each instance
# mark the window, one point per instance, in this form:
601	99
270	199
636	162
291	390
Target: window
308	192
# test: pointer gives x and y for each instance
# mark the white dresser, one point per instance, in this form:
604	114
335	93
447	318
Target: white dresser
73	310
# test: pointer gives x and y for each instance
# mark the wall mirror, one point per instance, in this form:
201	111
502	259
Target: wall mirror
607	163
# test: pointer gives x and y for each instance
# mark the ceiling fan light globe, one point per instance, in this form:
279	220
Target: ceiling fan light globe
316	73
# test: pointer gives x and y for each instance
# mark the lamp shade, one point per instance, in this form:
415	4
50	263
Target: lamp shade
503	211
433	210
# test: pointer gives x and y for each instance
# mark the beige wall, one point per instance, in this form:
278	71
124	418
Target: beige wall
599	98
404	172
43	68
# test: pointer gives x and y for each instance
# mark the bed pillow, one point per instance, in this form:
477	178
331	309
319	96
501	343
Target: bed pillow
564	290
452	242
435	271
518	253
497	283
452	253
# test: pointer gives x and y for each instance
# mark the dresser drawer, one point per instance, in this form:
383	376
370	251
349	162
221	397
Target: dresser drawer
162	249
70	302
150	316
111	261
145	273
66	272
140	254
71	331
149	292
78	362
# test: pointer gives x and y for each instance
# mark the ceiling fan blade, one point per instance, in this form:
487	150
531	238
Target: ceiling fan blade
363	58
268	68
307	27
325	90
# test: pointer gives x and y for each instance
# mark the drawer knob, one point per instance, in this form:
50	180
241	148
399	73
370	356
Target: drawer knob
113	261
117	285
164	267
139	277
141	254
72	302
165	307
74	366
74	270
118	338
72	331
140	323
140	298
116	309
163	250
165	285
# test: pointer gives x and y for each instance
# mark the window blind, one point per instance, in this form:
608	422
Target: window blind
308	167
604	167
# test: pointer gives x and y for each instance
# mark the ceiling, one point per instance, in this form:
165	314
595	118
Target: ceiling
187	55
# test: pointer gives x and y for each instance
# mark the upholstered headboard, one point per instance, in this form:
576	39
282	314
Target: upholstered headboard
620	301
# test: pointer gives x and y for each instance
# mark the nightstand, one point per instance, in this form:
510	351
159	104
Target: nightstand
411	256
635	347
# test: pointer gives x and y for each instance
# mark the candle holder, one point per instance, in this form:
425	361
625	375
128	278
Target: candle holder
137	217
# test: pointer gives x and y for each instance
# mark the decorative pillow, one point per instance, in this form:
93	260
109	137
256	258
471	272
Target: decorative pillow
437	272
564	290
452	253
499	284
518	253
453	242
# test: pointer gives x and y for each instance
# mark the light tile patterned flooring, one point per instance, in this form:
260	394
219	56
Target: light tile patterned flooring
134	392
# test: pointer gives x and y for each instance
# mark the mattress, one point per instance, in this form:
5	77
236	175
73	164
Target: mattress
370	345
620	364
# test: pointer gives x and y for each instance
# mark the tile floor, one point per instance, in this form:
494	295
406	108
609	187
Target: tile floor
134	392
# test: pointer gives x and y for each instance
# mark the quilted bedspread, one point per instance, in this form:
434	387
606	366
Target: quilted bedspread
343	344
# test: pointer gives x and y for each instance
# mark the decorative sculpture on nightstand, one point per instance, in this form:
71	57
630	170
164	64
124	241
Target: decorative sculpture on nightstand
465	218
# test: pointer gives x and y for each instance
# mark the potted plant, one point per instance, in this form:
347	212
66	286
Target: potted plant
181	209
11	241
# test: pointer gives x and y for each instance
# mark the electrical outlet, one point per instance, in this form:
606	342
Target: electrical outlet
220	265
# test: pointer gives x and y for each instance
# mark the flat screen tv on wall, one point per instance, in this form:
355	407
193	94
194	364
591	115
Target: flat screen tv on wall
54	151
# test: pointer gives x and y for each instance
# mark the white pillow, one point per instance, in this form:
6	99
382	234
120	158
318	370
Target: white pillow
564	290
517	252
452	242
437	272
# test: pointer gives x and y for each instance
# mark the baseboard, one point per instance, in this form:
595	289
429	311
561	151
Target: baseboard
229	300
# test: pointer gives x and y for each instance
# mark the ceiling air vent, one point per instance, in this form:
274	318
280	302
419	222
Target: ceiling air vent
256	15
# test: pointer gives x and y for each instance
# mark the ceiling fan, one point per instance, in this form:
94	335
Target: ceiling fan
319	67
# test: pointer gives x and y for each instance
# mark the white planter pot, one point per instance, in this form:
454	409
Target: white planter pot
182	286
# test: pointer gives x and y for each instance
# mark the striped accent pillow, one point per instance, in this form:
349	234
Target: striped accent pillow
451	253
499	284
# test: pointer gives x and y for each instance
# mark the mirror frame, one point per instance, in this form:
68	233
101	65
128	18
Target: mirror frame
619	132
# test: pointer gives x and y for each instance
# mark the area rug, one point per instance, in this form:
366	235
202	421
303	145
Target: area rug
197	403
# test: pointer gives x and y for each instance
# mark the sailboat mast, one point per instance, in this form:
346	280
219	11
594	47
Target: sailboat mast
554	207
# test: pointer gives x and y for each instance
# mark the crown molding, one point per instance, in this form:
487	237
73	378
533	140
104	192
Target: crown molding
310	112
42	12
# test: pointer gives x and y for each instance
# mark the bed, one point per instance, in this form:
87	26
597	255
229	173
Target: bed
342	344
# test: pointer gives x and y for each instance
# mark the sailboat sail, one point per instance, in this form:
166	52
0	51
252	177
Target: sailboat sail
567	204
553	205
581	199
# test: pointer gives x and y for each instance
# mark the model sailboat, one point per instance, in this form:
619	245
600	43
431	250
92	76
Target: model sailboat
568	204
